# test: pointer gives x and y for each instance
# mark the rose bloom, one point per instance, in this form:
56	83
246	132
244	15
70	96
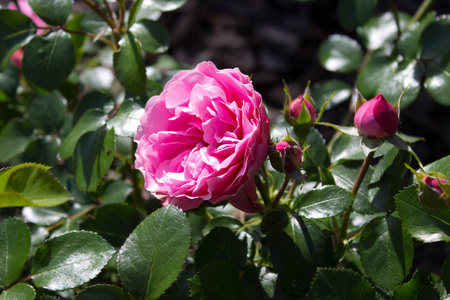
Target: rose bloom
203	139
24	8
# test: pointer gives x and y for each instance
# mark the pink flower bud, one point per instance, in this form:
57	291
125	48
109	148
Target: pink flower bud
376	118
433	183
291	155
296	107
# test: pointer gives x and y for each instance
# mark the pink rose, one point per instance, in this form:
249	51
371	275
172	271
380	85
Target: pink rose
203	139
376	118
296	107
24	8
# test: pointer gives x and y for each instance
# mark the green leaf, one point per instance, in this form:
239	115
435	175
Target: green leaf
44	216
93	100
69	260
437	83
423	223
14	138
92	22
135	8
408	74
14	246
15	29
94	154
152	256
409	43
152	34
260	283
20	291
381	31
127	119
129	65
99	78
347	147
52	12
164	5
340	284
9	80
223	221
219	281
435	41
90	121
316	156
48	60
377	67
221	244
340	53
30	185
47	112
103	292
345	175
353	13
116	191
113	222
296	249
322	90
386	252
441	166
43	150
420	288
387	179
446	273
323	202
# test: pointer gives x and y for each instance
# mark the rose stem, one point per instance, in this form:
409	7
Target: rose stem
362	173
283	187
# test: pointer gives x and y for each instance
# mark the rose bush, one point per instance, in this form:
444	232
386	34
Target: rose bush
203	139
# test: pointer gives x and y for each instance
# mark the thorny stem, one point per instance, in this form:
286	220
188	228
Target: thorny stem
290	194
262	188
283	187
121	17
102	38
81	213
354	191
105	18
397	20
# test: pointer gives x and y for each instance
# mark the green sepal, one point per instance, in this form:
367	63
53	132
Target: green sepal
287	102
307	94
322	109
397	104
359	99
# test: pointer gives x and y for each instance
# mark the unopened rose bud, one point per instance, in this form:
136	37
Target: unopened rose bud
376	118
291	155
432	193
296	107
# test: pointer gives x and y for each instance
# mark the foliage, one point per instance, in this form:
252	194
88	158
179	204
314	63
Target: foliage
76	222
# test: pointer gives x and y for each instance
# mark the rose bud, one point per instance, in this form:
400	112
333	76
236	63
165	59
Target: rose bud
376	118
432	193
291	155
296	105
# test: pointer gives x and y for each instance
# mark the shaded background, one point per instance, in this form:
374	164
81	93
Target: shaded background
279	39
